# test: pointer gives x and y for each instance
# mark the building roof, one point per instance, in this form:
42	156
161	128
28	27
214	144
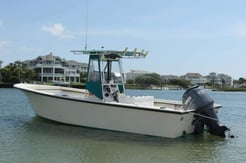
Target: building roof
51	57
192	75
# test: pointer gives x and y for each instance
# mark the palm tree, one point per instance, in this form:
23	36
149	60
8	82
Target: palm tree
0	70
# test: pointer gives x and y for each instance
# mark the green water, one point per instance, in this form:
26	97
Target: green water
27	138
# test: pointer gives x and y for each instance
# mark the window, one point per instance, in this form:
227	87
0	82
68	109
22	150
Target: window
94	75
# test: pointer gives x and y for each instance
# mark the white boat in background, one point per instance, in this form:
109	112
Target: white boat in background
104	104
61	83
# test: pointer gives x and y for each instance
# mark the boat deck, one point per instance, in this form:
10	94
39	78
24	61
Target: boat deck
139	101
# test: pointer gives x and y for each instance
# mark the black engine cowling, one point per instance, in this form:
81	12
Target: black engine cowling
197	99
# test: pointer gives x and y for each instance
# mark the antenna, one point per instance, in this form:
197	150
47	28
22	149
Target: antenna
86	25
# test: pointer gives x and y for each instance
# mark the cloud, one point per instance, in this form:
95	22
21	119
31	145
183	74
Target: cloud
4	44
240	30
5	48
29	49
57	30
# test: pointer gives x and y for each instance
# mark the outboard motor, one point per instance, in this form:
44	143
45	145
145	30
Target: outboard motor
196	98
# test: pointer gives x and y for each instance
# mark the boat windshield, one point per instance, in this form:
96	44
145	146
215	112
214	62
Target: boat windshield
112	72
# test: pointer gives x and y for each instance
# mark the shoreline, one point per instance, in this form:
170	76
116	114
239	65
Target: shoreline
82	86
230	89
6	85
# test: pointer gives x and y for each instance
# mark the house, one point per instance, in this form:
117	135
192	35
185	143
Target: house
219	80
195	78
54	68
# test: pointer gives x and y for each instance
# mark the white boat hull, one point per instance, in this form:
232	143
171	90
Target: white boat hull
111	116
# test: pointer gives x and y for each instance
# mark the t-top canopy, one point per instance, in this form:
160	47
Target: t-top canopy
114	53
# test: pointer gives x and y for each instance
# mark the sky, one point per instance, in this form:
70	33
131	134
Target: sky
181	36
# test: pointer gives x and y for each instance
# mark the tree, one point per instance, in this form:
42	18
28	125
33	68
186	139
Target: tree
180	82
83	76
129	81
16	72
149	79
241	80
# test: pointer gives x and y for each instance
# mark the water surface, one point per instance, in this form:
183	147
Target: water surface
25	137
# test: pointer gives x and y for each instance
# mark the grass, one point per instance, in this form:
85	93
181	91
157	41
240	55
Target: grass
232	89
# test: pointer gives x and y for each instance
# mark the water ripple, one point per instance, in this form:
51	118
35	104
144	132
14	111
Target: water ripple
25	137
